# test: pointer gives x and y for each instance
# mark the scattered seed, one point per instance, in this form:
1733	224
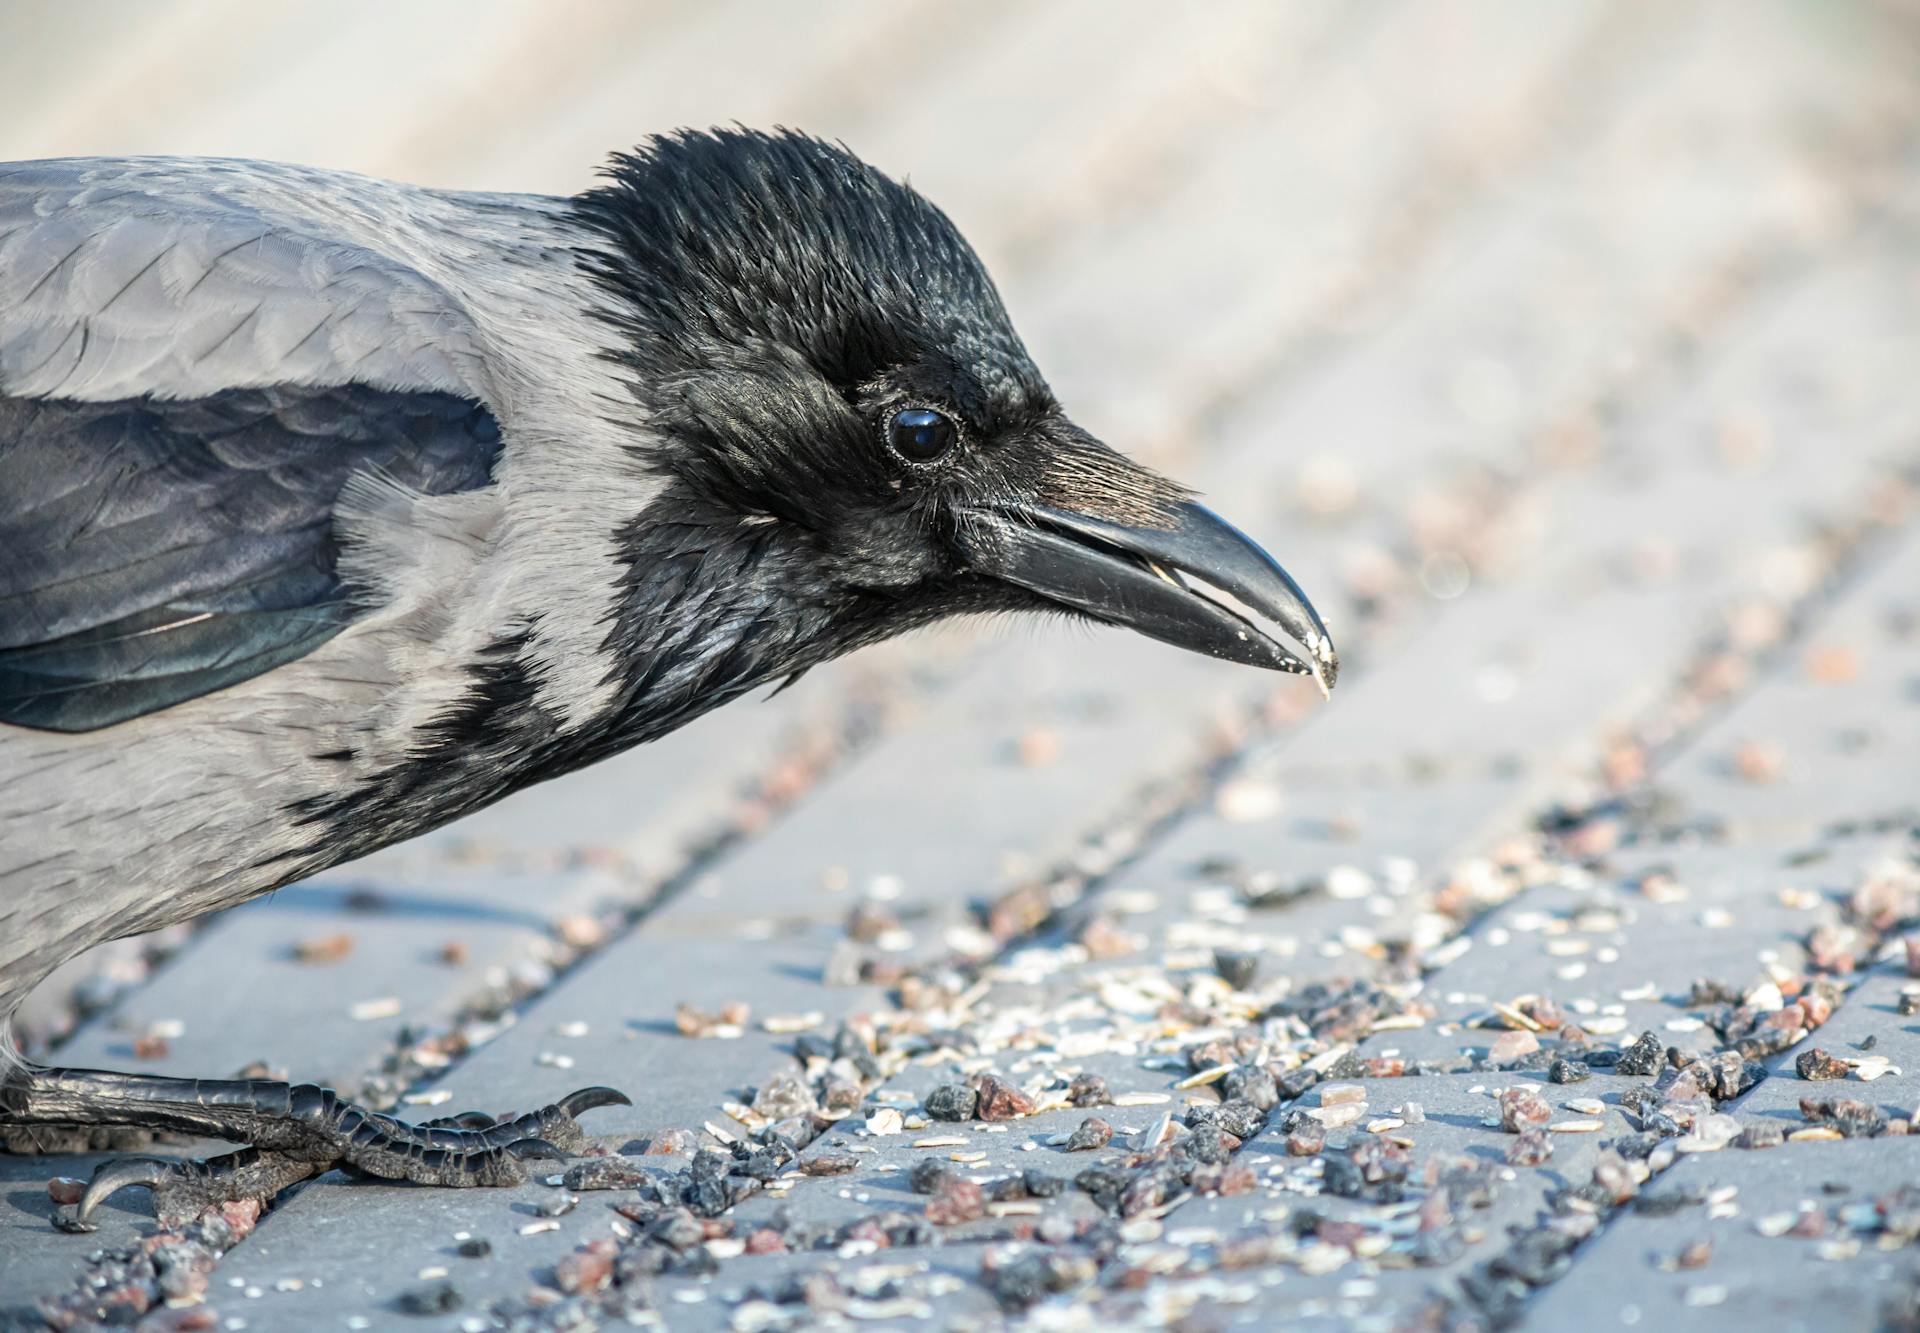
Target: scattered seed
1516	1018
1338	1116
730	1022
829	1164
1204	1078
324	949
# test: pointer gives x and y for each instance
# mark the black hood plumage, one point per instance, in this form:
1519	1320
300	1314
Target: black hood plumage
773	295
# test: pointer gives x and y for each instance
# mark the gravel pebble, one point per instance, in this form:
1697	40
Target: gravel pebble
1816	1065
951	1101
1522	1109
1092	1133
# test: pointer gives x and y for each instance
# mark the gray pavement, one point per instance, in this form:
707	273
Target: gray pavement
1563	351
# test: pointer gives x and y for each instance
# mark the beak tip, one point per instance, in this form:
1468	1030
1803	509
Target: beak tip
1324	663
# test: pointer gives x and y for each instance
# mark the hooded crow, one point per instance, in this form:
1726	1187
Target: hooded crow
334	509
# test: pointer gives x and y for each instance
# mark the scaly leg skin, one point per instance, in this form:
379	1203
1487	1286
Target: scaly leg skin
294	1132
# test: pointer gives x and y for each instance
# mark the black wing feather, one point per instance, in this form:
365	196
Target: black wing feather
155	550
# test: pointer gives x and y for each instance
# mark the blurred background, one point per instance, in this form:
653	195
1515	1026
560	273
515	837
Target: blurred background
1391	282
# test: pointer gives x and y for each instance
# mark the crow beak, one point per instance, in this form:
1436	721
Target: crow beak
1200	584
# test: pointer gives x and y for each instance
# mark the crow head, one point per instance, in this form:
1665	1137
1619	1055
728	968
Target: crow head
855	442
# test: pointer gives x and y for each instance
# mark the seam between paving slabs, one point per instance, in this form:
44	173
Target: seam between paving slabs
1568	115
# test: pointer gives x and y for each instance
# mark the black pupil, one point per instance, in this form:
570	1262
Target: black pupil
920	435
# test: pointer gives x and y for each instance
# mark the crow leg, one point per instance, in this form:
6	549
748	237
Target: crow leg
295	1131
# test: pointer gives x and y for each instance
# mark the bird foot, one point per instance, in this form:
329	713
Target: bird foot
184	1190
293	1133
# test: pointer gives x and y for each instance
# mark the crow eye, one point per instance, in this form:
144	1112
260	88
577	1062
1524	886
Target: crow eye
921	435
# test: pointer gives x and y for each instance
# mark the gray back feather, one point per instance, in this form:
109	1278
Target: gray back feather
183	278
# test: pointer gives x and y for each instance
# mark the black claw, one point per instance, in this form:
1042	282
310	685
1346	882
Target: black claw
588	1099
111	1177
535	1150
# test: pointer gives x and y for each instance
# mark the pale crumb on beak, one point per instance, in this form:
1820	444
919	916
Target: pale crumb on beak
1320	650
1166	575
